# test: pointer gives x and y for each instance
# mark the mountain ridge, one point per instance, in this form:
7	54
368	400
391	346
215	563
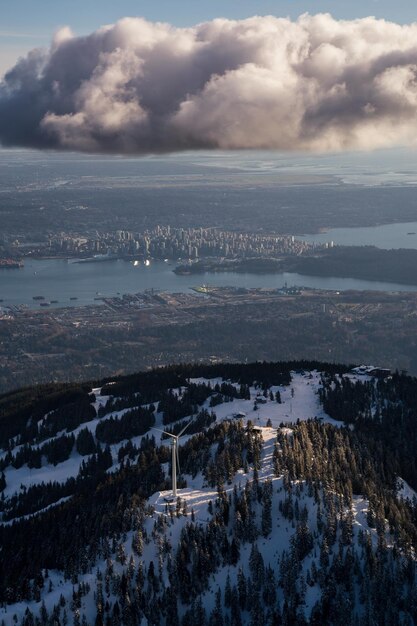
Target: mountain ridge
265	457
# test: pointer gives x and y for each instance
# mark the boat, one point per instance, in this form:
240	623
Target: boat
10	264
98	258
73	298
39	297
54	301
44	303
410	233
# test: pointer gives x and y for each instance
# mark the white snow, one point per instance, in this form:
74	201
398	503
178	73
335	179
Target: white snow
299	402
405	491
197	497
16	478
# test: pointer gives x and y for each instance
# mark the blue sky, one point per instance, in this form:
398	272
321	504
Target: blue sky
25	24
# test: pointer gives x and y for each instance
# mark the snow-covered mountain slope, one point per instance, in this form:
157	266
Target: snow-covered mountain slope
267	549
299	401
284	515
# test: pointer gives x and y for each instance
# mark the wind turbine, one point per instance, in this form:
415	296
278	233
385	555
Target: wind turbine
174	455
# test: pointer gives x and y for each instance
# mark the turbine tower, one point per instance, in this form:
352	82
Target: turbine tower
175	461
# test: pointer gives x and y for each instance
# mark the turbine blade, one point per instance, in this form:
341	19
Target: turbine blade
185	427
163	431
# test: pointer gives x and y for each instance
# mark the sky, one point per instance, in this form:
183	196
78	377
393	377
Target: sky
25	24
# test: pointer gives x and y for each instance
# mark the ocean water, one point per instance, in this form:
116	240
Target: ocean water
62	280
249	190
388	236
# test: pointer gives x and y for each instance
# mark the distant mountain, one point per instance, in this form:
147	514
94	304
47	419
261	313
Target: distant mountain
296	499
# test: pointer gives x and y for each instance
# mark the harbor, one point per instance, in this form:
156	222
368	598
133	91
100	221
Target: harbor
63	284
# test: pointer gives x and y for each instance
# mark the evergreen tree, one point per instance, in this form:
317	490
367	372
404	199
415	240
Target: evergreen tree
85	443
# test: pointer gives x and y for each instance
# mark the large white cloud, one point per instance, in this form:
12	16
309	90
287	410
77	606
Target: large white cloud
136	87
